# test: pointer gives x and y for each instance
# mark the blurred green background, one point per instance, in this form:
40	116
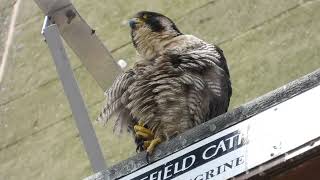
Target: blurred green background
267	44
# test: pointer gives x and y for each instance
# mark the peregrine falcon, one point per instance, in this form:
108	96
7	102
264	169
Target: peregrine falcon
179	82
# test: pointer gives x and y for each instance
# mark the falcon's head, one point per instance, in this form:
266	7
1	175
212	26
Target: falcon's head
150	32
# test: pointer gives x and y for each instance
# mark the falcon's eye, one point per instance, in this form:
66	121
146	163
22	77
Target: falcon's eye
145	16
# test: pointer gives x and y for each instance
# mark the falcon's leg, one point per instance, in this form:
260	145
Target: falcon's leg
145	139
146	144
143	132
140	144
151	145
143	135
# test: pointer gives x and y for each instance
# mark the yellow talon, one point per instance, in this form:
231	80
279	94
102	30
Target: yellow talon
146	144
142	129
143	132
143	135
153	144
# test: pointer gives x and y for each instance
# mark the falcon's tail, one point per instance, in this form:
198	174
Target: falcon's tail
108	110
124	121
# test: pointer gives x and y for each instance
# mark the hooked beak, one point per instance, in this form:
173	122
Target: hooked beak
134	22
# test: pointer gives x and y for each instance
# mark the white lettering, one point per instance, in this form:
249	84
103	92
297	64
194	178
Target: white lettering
221	145
159	175
184	162
166	171
205	156
176	168
231	141
152	177
239	139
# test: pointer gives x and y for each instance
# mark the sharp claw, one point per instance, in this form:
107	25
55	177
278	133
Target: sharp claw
148	157
140	145
151	146
146	144
138	149
145	140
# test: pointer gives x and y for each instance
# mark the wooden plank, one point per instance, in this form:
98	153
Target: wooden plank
32	95
216	125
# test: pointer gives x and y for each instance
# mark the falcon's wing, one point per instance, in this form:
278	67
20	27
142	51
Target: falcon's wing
218	81
116	99
206	76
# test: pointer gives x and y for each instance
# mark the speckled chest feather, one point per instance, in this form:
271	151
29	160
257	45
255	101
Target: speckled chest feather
179	82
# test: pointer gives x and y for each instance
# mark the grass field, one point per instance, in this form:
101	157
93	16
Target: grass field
267	44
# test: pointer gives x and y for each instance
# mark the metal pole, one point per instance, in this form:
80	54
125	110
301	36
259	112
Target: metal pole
71	89
83	41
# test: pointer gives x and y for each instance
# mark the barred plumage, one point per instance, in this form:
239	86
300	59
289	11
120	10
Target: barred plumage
180	82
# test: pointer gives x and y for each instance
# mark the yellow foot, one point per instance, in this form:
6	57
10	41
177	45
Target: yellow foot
146	144
151	146
142	132
143	137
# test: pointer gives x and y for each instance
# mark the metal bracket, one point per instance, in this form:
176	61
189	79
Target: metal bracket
83	40
71	89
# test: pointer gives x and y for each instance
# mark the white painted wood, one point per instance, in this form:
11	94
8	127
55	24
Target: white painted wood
274	132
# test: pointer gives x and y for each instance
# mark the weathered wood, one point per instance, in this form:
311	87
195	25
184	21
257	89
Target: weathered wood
214	126
275	167
35	120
